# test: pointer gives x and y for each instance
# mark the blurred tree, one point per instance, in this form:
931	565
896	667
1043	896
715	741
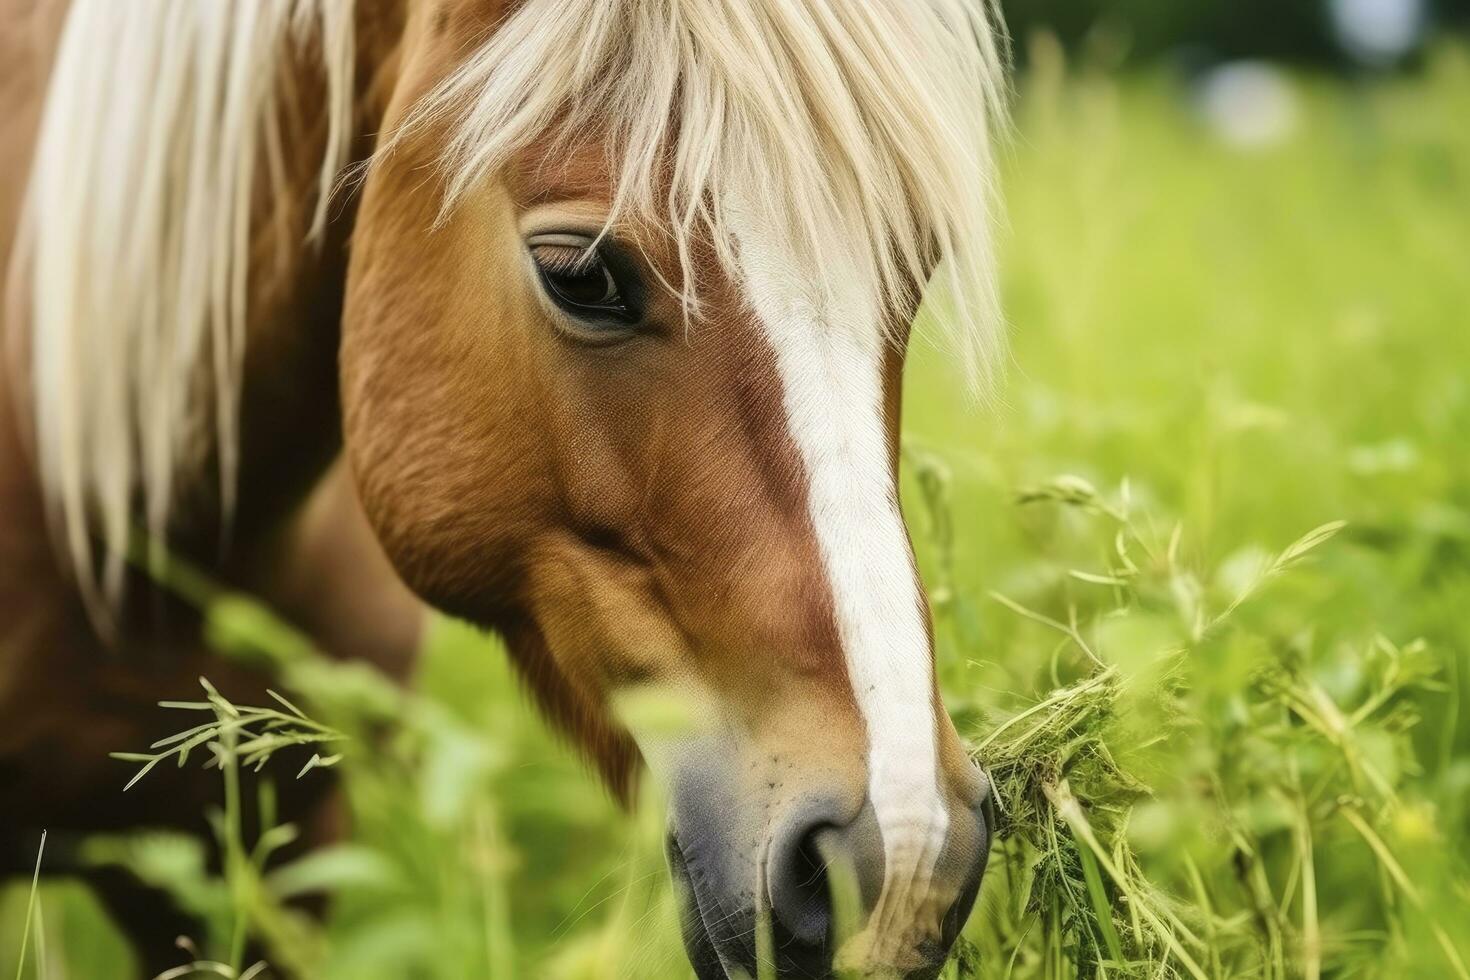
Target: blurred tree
1205	30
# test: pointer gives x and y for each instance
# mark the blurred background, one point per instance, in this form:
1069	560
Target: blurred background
1340	35
1226	729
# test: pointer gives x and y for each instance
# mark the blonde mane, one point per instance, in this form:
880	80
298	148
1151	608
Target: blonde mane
855	121
132	256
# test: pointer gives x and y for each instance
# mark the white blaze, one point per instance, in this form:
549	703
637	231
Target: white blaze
829	352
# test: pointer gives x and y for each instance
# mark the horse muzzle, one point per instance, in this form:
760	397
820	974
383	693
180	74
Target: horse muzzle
814	896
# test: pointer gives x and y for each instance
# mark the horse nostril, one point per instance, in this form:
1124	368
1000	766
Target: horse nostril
801	902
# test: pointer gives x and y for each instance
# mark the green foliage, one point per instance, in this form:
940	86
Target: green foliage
1080	893
1216	752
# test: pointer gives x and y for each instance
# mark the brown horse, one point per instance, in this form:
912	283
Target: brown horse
599	348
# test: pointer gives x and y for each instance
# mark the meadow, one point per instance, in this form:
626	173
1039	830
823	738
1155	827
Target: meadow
1201	577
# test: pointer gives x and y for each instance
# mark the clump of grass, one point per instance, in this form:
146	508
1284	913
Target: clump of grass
1064	803
1079	896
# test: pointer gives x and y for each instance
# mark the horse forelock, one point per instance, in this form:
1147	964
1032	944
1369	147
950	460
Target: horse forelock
866	123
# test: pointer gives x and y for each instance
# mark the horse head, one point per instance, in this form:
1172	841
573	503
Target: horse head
622	358
628	292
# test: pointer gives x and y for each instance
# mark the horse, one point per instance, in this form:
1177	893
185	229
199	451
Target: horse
581	320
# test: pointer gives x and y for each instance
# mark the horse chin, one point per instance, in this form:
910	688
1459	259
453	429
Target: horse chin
719	940
699	944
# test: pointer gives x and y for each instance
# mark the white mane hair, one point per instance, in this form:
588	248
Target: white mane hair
132	260
862	122
868	123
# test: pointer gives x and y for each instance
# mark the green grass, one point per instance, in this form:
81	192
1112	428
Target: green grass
1218	754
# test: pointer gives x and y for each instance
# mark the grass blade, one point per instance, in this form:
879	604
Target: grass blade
25	933
1101	907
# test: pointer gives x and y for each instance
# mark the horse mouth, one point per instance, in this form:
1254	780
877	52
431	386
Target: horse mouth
720	942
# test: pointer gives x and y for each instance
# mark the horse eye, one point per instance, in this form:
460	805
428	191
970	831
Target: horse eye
579	279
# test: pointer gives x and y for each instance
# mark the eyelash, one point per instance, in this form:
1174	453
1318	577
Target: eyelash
564	259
